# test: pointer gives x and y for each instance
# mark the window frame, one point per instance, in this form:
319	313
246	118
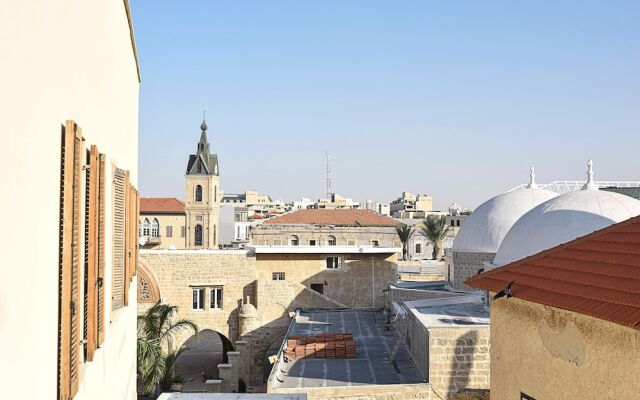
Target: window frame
332	240
216	302
337	263
294	240
197	196
199	301
169	231
278	276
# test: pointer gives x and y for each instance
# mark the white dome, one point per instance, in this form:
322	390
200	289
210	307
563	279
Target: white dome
563	219
485	228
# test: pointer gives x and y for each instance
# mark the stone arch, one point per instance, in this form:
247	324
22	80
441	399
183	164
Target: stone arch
148	289
202	353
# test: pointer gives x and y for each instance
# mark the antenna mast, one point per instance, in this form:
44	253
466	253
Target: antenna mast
328	172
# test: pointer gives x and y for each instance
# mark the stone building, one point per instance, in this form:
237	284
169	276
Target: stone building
318	227
69	157
411	203
245	296
202	196
573	317
162	223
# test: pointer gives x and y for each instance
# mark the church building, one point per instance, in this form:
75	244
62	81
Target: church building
194	223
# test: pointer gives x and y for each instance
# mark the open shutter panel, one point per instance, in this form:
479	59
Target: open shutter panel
118	239
66	261
137	233
101	247
127	237
92	270
77	261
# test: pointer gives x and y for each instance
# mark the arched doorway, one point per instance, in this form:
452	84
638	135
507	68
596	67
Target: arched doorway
201	356
198	235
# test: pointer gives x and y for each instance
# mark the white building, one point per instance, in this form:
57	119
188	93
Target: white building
69	158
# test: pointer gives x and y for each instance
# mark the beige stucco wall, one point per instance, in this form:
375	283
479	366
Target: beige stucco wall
359	283
553	354
177	221
67	59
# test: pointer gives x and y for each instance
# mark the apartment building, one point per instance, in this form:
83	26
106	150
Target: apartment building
70	85
162	223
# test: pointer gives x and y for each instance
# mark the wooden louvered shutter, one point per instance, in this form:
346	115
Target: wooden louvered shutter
70	262
78	149
92	253
66	261
101	247
118	239
127	237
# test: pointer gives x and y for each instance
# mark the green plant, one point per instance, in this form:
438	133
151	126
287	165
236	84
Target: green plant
404	233
435	228
178	379
155	351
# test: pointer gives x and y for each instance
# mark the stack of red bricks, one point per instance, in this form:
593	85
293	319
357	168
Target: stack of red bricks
325	345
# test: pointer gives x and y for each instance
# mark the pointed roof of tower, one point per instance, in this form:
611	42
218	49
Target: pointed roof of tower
203	162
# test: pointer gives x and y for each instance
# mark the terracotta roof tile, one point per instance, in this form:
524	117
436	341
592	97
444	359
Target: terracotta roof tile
596	275
339	217
161	205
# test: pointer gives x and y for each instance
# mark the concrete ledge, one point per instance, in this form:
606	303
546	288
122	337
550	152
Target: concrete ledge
225	366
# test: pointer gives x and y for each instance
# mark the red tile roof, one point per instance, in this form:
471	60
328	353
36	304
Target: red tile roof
339	217
161	205
596	275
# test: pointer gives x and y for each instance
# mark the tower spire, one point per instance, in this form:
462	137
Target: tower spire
590	185
203	126
532	179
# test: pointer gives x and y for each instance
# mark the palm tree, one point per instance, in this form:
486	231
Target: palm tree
404	232
435	228
156	333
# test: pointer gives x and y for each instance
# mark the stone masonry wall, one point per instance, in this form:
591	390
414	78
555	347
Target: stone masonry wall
466	264
274	235
459	359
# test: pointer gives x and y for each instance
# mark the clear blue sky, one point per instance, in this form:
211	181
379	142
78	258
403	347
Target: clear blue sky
451	98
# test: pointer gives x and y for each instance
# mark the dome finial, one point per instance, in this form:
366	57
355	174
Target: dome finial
590	185
203	126
532	179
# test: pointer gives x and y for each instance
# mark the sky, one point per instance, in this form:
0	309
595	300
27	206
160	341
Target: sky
453	99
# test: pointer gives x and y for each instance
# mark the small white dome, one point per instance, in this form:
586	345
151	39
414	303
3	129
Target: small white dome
484	229
563	219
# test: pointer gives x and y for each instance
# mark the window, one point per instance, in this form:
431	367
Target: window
198	235
418	248
457	222
183	231
375	243
199	218
351	242
277	276
277	242
198	194
334	262
453	223
216	299
312	242
155	228
146	227
318	287
294	240
198	299
331	240
169	231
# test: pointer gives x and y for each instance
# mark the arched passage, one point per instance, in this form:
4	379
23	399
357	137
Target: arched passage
202	354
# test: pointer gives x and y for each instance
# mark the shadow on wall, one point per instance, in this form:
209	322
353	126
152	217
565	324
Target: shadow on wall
461	370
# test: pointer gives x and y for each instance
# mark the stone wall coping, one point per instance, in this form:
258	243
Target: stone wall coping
199	251
233	353
325	250
213	381
225	366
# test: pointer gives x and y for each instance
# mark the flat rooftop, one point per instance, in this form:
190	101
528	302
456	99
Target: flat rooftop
231	396
452	312
371	365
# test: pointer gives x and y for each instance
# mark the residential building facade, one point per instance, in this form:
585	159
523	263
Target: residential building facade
70	86
410	203
162	223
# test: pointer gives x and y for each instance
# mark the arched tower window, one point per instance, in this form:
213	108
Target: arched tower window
198	235
198	193
294	240
331	240
215	193
155	228
146	227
